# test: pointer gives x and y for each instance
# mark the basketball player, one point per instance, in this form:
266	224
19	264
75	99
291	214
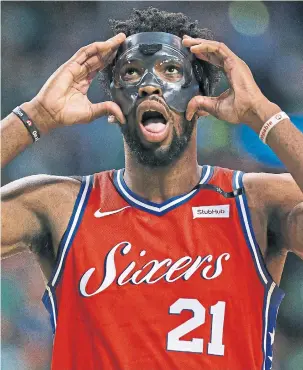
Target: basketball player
165	264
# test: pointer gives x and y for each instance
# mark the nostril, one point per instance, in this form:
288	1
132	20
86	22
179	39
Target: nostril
149	90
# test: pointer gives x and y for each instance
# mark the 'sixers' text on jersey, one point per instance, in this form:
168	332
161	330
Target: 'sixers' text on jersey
178	285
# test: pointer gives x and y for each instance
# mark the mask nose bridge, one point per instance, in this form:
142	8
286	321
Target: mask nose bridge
150	79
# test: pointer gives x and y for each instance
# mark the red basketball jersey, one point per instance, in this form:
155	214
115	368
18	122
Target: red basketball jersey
178	285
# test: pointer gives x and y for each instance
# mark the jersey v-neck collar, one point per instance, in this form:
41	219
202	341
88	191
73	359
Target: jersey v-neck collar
157	208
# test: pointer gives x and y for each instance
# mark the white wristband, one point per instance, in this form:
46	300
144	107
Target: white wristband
268	125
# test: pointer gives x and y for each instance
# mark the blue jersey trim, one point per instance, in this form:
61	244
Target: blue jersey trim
50	303
247	229
272	300
49	296
273	295
155	208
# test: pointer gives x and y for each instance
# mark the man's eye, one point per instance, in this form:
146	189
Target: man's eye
131	71
172	69
131	74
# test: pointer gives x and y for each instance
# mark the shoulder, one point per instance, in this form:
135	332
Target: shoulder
40	187
52	198
280	200
275	191
44	195
41	205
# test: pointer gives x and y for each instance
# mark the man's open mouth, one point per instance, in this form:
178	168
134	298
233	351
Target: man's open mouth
153	121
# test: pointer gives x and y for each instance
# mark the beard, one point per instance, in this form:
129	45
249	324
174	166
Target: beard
157	156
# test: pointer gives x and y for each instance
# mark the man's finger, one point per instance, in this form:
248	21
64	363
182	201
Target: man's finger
202	56
88	51
95	48
95	63
216	49
116	41
201	103
91	65
202	113
191	40
208	47
107	108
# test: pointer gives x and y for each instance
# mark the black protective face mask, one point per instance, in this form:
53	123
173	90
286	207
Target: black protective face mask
155	59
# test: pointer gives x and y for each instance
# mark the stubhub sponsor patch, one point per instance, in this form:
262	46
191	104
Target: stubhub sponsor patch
211	211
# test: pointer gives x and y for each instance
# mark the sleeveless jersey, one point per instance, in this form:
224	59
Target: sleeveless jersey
177	285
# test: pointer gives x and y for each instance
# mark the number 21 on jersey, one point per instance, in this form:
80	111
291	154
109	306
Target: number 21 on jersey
196	345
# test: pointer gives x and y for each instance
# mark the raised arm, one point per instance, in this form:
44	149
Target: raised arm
245	103
31	207
63	100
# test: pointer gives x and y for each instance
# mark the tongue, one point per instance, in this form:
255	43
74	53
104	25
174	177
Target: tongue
154	125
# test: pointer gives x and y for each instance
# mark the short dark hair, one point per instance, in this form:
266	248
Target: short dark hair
155	20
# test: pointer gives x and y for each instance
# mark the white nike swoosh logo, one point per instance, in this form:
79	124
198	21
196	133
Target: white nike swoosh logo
100	214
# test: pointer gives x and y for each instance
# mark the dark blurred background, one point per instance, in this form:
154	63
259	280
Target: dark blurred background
37	37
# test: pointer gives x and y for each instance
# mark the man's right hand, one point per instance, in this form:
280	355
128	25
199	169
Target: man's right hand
63	100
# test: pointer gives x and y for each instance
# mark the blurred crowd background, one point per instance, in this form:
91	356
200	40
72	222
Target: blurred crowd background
37	37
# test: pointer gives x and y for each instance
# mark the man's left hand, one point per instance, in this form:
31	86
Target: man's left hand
240	103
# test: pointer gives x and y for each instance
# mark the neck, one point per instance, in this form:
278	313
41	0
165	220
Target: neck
161	183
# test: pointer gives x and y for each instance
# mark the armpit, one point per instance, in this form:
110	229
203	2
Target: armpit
42	246
295	229
277	238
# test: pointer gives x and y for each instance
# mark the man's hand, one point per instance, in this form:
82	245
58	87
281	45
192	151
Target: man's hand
241	102
63	99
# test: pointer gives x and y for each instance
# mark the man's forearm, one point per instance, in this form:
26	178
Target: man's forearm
284	139
14	136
